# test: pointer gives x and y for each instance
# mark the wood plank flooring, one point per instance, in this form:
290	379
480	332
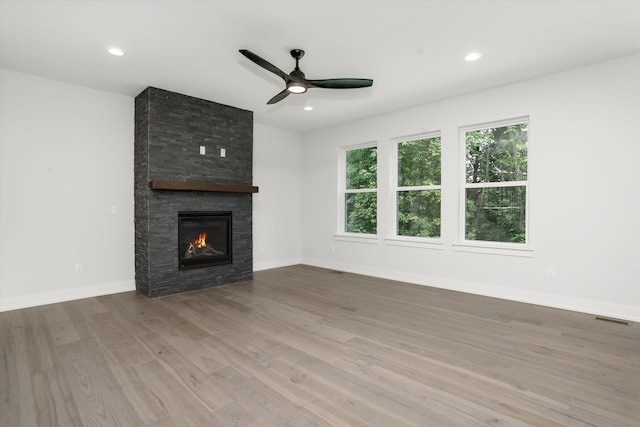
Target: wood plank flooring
303	346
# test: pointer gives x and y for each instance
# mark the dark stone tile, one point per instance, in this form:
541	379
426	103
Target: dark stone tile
169	130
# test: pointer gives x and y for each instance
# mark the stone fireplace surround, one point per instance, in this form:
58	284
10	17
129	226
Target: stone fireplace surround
170	130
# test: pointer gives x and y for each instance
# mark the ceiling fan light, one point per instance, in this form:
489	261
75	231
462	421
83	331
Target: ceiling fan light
296	87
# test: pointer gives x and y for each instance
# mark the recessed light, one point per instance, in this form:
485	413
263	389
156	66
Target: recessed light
473	56
308	108
115	51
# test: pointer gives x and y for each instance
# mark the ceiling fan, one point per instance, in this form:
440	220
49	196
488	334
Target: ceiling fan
296	82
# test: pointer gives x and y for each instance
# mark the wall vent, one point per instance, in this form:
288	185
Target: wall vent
612	320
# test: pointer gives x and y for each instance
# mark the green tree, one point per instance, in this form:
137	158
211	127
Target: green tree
361	207
418	210
496	212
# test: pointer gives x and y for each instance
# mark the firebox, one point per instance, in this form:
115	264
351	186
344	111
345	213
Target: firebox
204	239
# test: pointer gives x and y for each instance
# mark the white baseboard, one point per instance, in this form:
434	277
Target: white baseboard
33	300
268	265
618	311
625	312
37	299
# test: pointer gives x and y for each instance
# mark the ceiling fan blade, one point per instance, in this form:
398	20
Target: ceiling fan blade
341	83
279	97
265	64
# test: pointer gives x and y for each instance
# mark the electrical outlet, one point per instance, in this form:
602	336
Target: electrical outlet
223	152
114	210
78	268
203	150
551	273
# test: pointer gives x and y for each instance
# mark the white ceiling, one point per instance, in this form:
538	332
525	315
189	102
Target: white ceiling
413	50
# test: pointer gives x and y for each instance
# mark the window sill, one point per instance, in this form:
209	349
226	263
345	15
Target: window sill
495	249
415	242
358	238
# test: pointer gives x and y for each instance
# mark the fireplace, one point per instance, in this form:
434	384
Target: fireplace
181	194
204	239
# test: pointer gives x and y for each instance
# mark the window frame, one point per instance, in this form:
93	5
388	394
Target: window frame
342	192
393	237
492	247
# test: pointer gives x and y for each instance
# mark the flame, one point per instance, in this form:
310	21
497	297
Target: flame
200	242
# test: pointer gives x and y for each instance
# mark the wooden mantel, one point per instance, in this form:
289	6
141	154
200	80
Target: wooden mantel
202	186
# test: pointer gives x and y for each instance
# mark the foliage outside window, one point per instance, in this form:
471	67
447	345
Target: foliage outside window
496	184
418	196
361	196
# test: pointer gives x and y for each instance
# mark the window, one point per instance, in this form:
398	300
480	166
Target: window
495	188
418	192
361	194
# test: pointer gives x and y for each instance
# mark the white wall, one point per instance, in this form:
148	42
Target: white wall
66	156
584	195
276	207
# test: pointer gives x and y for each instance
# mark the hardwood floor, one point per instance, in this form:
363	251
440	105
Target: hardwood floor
303	346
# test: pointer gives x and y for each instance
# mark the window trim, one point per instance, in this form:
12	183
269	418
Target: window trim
393	238
341	233
483	246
